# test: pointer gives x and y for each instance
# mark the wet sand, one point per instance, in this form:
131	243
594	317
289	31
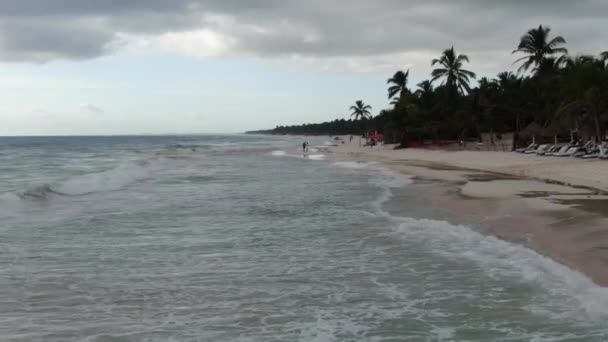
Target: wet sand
568	224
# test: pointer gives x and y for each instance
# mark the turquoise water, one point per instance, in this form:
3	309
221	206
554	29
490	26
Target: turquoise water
240	238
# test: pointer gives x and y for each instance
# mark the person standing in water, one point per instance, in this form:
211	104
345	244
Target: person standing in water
304	144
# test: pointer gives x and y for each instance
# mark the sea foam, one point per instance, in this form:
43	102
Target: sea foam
110	180
568	292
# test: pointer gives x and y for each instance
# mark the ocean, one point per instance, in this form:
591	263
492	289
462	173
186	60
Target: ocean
241	238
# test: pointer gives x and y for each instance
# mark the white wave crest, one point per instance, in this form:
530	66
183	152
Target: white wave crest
278	153
501	259
578	296
386	178
110	180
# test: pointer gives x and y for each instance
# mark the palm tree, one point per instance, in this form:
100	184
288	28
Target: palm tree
424	87
455	76
537	47
506	79
584	84
425	93
360	110
551	66
572	62
399	84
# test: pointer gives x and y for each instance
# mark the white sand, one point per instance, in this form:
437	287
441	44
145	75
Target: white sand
502	188
523	209
565	170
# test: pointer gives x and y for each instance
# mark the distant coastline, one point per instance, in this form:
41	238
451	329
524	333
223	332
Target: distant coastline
263	132
335	127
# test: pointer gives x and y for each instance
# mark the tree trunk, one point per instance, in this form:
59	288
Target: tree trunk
598	128
516	133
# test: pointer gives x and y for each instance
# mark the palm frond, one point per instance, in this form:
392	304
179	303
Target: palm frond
559	50
537	47
556	41
392	91
462	58
525	66
468	73
523	58
439	72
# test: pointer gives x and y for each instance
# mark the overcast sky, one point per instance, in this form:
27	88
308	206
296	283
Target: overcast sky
181	66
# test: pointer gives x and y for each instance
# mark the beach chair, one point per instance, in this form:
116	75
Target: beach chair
562	149
589	148
556	148
530	147
542	149
603	150
572	150
548	151
536	149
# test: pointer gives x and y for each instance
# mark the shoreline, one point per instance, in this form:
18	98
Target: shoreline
497	194
591	174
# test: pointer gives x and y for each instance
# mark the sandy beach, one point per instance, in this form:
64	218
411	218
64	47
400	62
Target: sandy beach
564	170
556	206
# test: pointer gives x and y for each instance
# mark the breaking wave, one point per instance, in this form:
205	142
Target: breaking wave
278	153
109	180
567	291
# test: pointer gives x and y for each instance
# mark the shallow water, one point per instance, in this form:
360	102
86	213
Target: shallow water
241	238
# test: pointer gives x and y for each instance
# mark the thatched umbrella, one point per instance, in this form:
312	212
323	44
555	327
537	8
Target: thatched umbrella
531	131
556	128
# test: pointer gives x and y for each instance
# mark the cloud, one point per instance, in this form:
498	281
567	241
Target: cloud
90	108
354	35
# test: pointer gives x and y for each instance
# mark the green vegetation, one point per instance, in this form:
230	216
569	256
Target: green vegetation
361	111
551	92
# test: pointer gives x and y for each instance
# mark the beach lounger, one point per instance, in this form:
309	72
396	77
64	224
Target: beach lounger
549	151
571	151
603	151
558	148
594	154
537	149
589	149
562	149
542	148
530	147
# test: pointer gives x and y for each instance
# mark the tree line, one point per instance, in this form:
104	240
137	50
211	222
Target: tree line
553	91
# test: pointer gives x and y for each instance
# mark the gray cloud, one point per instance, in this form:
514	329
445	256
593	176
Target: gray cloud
42	30
44	39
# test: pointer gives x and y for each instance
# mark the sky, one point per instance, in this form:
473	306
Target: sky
79	67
